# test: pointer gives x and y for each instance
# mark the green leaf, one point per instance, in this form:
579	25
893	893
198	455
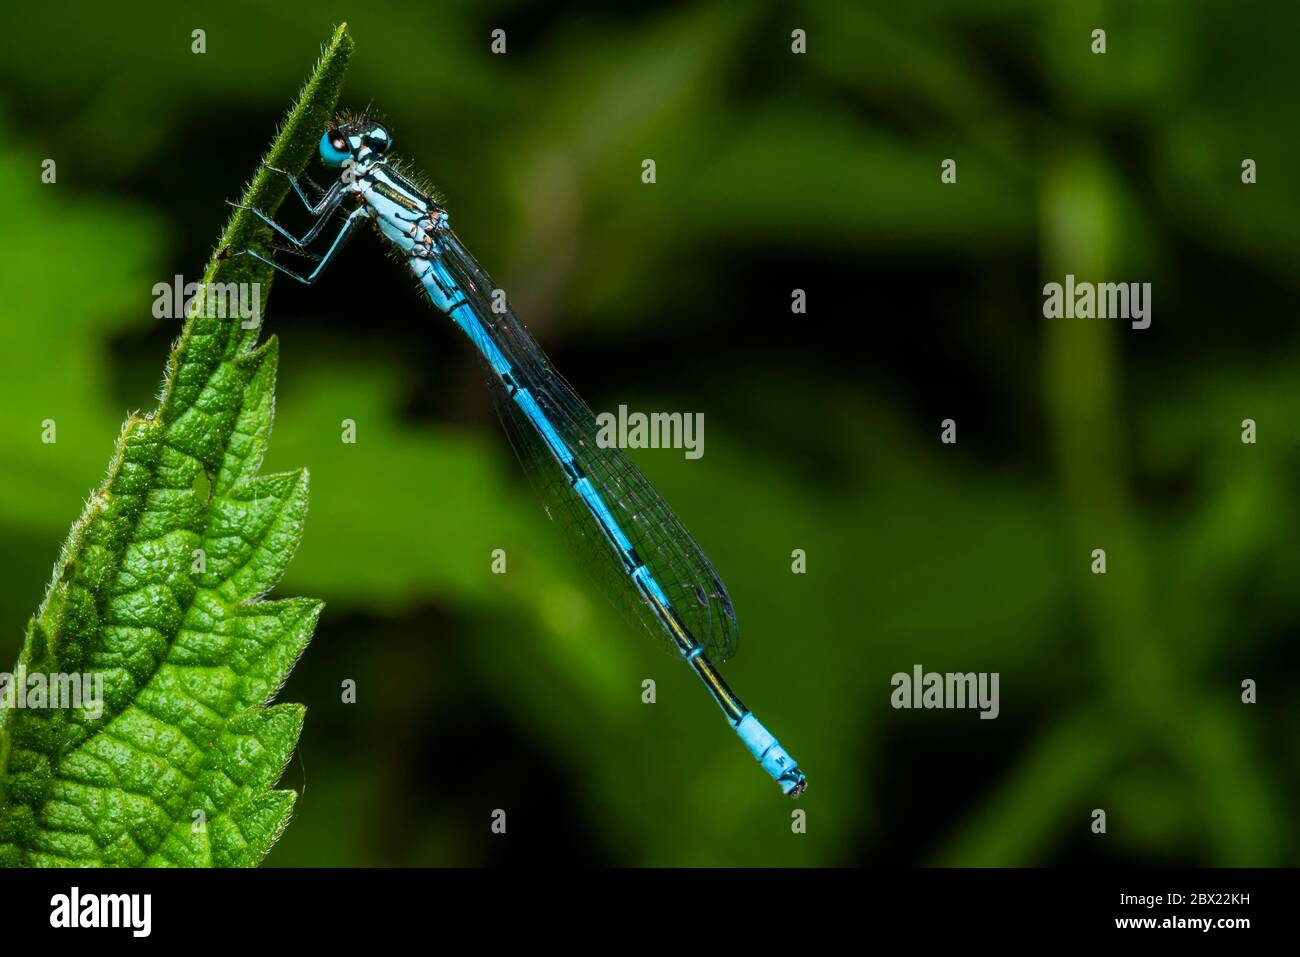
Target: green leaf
155	595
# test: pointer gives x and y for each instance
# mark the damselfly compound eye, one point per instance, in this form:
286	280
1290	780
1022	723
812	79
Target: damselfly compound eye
334	148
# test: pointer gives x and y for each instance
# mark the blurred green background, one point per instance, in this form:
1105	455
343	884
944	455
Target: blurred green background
775	171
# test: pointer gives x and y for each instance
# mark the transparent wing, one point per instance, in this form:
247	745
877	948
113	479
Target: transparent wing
662	542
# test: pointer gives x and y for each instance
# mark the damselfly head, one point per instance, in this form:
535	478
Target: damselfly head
355	140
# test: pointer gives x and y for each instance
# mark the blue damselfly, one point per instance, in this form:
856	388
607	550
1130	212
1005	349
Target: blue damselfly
646	560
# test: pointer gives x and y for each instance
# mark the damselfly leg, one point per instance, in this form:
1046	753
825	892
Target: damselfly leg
356	216
323	211
311	208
